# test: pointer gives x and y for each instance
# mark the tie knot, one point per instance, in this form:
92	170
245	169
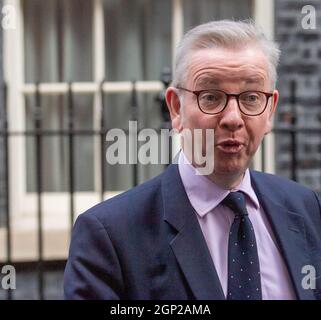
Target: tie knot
236	202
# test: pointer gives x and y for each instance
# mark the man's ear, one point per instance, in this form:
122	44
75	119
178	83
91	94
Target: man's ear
271	111
174	107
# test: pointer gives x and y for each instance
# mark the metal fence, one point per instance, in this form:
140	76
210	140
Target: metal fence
42	265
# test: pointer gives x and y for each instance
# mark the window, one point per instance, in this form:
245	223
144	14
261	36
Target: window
84	42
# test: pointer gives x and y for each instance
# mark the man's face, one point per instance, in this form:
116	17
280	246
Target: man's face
232	71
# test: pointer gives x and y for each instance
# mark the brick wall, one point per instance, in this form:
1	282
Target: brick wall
301	64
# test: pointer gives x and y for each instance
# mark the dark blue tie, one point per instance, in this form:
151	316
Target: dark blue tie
244	280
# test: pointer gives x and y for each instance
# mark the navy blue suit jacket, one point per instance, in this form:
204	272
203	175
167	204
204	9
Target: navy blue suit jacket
147	243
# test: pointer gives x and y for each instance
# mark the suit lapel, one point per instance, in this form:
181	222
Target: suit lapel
289	230
189	245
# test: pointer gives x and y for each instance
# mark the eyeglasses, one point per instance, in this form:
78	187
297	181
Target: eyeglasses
250	103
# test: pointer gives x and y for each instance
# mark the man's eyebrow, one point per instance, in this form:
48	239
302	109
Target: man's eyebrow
256	80
208	81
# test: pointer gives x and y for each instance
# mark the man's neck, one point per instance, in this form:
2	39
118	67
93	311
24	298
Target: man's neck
223	180
227	182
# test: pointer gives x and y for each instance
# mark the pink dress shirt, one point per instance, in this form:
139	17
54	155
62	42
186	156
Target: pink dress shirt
215	221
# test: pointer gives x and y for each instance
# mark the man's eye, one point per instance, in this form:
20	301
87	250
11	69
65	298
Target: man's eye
211	97
253	97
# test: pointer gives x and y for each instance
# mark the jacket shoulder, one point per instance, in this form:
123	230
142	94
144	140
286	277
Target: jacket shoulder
138	200
275	181
286	191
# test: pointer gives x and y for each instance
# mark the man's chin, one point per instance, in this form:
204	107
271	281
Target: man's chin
232	170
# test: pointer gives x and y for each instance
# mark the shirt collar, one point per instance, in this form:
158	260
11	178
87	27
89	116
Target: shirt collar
203	193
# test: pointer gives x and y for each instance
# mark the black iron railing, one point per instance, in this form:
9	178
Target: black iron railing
39	133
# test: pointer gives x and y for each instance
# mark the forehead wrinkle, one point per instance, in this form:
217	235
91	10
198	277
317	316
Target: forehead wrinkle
214	81
216	77
207	81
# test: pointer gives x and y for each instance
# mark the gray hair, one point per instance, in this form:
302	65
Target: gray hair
224	34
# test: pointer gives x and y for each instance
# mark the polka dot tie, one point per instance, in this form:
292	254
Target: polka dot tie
244	280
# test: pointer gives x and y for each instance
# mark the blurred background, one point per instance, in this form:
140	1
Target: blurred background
71	70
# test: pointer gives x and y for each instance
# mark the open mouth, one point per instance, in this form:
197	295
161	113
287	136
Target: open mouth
230	146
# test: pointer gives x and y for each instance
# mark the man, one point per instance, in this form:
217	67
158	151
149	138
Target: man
231	234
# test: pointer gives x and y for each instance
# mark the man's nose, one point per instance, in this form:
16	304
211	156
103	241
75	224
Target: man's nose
231	118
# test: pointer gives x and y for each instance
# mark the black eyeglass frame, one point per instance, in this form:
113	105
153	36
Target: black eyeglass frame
268	95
